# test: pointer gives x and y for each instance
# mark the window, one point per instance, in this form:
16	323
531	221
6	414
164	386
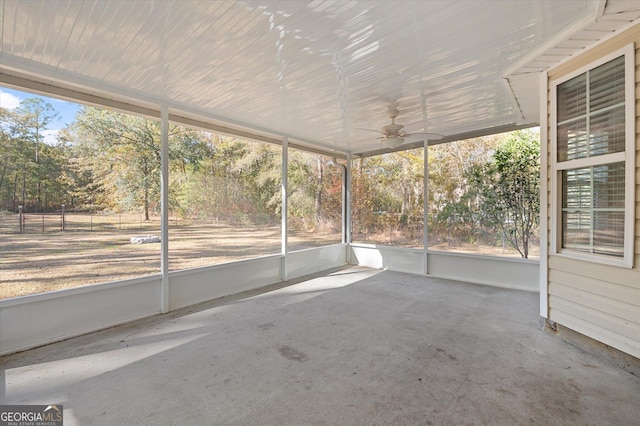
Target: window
224	197
314	200
79	202
484	195
594	138
388	199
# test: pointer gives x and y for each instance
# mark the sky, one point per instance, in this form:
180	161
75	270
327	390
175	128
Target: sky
11	99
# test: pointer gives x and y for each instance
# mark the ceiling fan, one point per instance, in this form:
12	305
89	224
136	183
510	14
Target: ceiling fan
392	135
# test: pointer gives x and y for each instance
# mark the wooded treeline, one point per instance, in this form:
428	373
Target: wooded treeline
481	191
110	162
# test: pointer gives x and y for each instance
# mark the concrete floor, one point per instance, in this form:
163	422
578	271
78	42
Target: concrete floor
353	347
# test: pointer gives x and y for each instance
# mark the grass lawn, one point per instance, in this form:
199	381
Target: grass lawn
97	249
37	262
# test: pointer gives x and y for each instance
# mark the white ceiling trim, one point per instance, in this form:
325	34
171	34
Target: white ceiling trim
606	22
585	34
541	53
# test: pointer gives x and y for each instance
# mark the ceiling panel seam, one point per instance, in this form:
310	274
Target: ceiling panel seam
68	37
514	99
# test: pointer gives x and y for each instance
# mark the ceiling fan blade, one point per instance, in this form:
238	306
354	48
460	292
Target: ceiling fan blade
370	139
367	130
430	136
416	126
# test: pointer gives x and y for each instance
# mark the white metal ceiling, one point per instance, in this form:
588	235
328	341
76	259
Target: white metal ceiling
315	71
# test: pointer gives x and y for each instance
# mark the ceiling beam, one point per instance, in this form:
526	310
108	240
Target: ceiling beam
449	138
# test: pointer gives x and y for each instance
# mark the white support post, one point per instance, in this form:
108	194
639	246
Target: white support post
346	202
285	222
164	209
348	206
544	201
425	226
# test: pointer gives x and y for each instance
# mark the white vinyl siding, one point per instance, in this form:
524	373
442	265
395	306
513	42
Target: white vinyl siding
600	301
597	298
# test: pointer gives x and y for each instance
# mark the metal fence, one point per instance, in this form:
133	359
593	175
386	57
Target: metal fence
31	223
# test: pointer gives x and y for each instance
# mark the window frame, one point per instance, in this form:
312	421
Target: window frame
627	156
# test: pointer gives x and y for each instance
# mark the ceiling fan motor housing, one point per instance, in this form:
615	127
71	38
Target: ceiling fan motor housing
392	129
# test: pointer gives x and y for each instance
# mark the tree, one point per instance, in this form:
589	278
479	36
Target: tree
387	197
314	191
81	190
453	206
26	156
118	157
509	188
8	161
370	198
261	171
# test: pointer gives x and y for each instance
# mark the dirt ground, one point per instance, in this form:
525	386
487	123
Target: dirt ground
37	262
41	262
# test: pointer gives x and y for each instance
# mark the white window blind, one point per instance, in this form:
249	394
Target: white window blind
591	113
590	127
593	209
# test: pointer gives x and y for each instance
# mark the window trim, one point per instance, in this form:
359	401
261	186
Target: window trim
628	156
